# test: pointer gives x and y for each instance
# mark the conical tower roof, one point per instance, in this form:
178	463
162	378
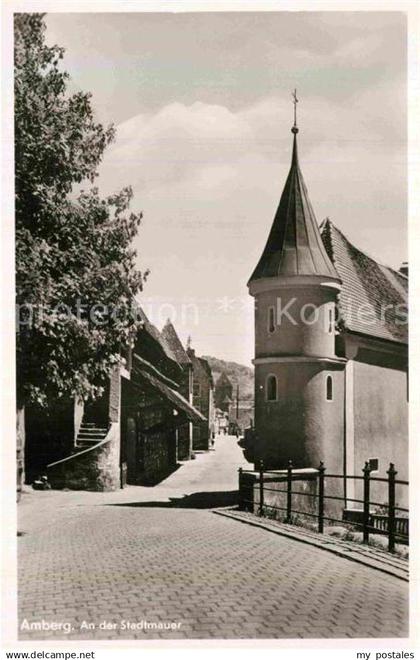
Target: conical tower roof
294	245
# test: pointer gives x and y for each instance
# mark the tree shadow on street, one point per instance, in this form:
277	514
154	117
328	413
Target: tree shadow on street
203	500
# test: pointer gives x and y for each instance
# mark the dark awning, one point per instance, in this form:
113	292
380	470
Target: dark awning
172	395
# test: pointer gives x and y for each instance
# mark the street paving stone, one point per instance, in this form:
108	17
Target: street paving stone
158	555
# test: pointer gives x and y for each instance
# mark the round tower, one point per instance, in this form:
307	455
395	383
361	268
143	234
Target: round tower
298	377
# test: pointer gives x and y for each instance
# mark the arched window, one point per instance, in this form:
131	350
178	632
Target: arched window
271	388
329	387
271	319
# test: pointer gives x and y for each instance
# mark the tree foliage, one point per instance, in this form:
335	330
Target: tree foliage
76	277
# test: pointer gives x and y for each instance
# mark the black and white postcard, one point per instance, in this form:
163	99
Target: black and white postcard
206	230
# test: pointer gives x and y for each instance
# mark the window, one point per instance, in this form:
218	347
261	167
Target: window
331	320
271	388
271	319
329	388
373	464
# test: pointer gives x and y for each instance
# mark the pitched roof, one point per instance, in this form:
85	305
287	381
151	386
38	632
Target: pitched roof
157	336
373	298
294	245
150	375
200	366
170	336
207	369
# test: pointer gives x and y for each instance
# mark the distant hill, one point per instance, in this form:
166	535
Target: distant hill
238	373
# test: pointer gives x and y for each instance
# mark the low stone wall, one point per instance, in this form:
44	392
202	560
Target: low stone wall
304	504
96	468
246	490
275	497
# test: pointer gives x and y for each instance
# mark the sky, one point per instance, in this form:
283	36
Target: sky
203	109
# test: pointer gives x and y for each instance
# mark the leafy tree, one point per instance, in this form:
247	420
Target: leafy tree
76	278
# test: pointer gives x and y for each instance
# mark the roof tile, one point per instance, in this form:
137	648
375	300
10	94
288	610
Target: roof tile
373	298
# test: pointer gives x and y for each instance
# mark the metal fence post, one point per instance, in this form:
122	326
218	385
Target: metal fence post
391	507
289	492
240	493
261	507
366	496
321	477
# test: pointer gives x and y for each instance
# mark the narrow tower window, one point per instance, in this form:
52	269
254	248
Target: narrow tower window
271	319
329	388
330	321
271	388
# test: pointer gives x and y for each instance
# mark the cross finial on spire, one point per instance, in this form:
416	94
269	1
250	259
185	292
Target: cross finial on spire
295	102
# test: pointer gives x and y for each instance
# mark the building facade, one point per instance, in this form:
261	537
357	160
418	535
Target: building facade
330	347
223	394
203	400
185	432
129	436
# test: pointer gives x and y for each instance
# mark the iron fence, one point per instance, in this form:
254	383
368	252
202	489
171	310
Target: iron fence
394	523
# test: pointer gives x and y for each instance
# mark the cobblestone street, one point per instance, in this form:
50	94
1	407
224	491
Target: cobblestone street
160	555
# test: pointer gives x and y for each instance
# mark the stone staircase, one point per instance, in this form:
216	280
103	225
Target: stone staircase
89	434
79	470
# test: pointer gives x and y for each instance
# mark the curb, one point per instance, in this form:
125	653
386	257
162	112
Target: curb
322	544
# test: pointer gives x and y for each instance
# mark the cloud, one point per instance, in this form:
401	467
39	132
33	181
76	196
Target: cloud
136	62
177	141
204	149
